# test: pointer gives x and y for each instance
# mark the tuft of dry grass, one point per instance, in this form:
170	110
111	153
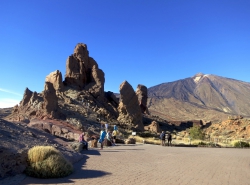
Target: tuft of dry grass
47	162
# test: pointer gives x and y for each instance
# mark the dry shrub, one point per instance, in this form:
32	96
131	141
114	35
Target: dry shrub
47	162
240	144
146	140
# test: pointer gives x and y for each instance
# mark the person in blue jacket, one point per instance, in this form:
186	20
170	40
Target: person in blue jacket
102	137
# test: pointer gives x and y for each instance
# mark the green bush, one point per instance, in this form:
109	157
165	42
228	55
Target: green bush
47	162
202	143
241	144
196	133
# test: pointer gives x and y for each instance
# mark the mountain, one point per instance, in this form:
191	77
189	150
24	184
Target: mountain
201	97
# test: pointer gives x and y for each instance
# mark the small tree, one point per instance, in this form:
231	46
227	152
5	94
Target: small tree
196	133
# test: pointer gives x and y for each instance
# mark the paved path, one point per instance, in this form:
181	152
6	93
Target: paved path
151	164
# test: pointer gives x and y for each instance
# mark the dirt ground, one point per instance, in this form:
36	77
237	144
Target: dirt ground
16	137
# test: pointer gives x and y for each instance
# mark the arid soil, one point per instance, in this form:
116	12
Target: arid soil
17	137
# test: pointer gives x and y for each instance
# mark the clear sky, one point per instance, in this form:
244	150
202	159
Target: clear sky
145	42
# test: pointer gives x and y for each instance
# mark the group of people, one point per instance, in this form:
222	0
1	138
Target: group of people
105	133
111	137
165	136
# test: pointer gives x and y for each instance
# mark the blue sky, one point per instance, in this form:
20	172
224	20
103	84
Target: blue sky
142	41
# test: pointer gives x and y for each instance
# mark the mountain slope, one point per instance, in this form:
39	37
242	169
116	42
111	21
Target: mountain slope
206	97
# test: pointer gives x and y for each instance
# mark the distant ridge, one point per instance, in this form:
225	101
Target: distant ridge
203	96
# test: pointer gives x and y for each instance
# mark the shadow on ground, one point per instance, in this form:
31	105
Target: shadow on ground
79	173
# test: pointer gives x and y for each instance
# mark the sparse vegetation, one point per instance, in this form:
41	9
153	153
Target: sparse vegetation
202	143
196	133
150	140
147	134
47	162
240	144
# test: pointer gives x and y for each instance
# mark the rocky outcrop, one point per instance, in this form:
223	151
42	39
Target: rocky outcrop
55	78
96	84
82	72
79	97
56	129
112	98
237	128
153	127
142	94
129	109
37	105
26	97
50	104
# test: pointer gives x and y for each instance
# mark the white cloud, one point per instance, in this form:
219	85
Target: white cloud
5	102
8	91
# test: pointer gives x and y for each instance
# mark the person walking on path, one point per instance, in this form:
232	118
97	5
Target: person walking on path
169	137
114	133
109	139
102	137
162	136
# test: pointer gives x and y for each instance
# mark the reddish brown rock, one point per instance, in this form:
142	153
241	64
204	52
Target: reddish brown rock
129	109
56	79
96	85
50	104
26	97
142	94
82	72
153	127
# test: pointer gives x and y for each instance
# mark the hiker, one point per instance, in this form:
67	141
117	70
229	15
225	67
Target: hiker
102	137
114	134
82	140
162	136
109	139
106	127
169	138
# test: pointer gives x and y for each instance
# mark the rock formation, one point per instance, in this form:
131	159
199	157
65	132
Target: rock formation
153	127
96	84
26	97
55	78
82	72
50	104
129	109
112	98
80	94
142	94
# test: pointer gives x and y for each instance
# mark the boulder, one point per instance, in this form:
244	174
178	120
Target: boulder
142	94
93	143
130	141
153	127
129	109
77	146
